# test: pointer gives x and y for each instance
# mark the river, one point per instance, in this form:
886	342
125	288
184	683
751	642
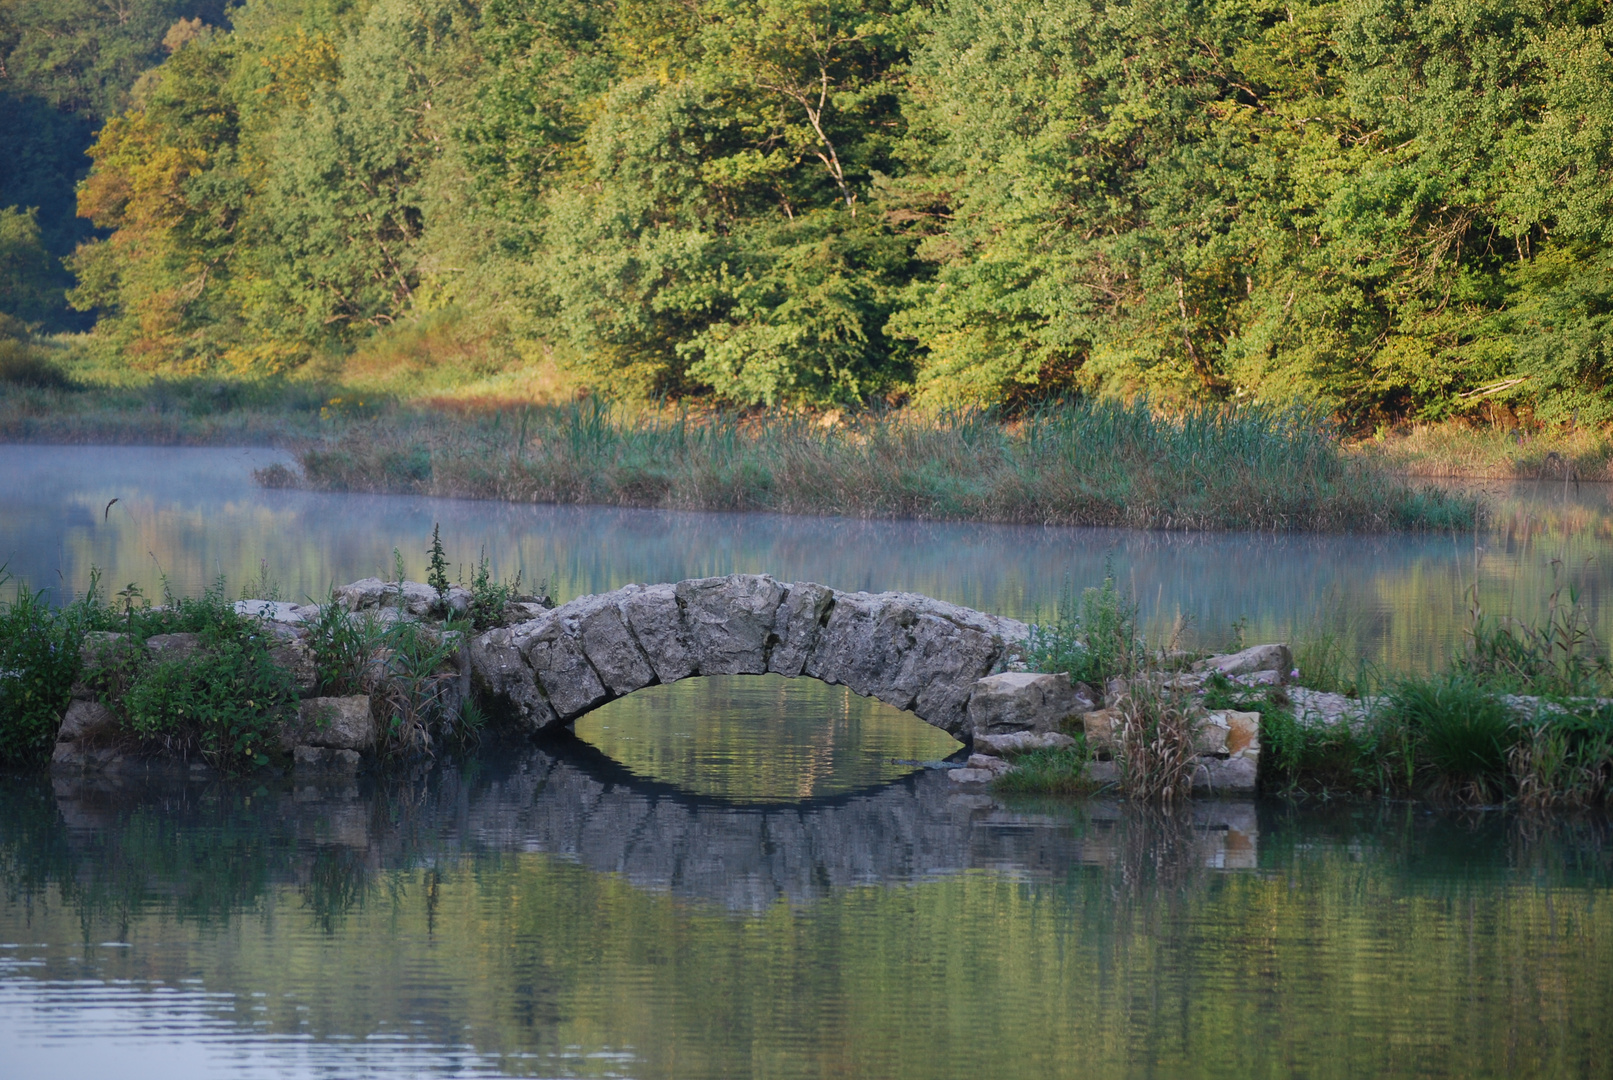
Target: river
732	878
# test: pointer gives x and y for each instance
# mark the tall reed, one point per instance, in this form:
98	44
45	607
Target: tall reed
1081	463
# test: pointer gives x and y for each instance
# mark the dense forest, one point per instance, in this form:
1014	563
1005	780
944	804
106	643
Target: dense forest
1400	208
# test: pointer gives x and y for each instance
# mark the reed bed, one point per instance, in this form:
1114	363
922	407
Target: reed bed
1087	463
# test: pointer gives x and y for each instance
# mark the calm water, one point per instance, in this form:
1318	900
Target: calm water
544	913
731	877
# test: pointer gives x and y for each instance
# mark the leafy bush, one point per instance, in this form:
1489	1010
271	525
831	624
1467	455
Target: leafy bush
488	597
226	703
1093	639
38	663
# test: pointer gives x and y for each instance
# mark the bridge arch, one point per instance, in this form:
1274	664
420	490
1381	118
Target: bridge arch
906	649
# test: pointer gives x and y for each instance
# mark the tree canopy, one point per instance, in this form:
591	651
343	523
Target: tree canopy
1394	207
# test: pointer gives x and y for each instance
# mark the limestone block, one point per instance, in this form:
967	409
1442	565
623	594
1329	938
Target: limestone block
971	776
173	646
1225	775
297	658
800	617
1021	742
1099	725
1024	701
85	719
1256	658
500	675
608	643
336	723
861	647
729	621
653	615
943	664
568	680
996	766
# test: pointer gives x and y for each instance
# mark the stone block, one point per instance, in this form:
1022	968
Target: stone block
609	645
173	646
1217	776
297	658
971	776
861	647
1024	701
729	621
561	668
500	677
653	614
85	719
1256	658
337	723
100	649
1099	725
800	618
996	766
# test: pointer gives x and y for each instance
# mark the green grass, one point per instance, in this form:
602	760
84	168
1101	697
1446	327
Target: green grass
1087	463
1049	772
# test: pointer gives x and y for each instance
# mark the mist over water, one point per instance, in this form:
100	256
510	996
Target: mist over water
191	514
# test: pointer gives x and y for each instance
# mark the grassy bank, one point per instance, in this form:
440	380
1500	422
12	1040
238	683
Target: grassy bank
1081	464
1523	715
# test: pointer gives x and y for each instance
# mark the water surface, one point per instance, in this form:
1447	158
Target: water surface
543	913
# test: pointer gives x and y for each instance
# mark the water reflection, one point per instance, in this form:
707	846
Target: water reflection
543	912
191	514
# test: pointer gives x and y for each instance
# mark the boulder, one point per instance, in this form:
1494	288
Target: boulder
173	646
277	611
297	658
336	723
1021	742
1024	701
1251	660
996	766
85	719
971	776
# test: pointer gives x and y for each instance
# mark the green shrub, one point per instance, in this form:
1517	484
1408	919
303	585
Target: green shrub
488	597
1558	656
38	663
226	703
1094	638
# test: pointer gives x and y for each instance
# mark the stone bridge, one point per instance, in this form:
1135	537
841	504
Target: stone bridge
907	650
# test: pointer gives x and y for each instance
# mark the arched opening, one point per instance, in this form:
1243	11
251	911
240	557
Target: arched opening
761	738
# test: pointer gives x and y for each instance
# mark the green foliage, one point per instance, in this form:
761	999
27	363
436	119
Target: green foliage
30	280
1094	639
437	575
227	703
1451	730
488	596
344	647
1559	656
38	663
1048	772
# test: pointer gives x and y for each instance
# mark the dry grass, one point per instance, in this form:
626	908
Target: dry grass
1497	452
